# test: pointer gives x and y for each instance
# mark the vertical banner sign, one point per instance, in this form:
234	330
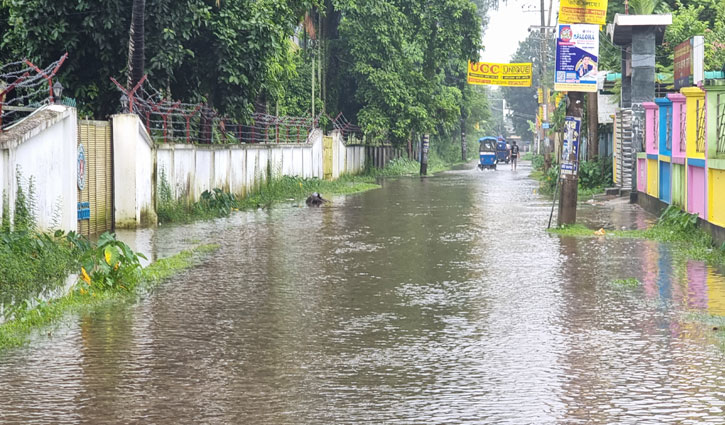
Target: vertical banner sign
583	12
683	64
570	147
689	64
577	55
500	74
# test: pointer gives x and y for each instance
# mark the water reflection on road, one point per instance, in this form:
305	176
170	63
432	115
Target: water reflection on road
440	300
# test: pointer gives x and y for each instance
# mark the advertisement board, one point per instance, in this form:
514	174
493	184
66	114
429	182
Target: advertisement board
500	74
682	65
583	12
570	146
577	57
689	61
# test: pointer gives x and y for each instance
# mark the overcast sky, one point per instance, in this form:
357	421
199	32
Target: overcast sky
509	25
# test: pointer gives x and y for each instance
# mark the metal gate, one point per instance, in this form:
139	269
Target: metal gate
95	179
327	158
625	155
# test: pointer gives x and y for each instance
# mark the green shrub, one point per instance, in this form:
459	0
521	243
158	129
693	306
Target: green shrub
537	162
109	265
595	174
33	262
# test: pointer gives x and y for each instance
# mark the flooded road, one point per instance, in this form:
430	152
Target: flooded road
440	300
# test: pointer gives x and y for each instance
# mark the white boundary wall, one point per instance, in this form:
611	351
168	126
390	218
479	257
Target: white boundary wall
346	159
239	169
134	158
44	146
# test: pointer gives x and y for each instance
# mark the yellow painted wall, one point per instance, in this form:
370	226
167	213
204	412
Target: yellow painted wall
327	158
653	178
716	197
692	94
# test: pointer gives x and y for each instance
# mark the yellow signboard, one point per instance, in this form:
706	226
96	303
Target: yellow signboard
500	74
583	12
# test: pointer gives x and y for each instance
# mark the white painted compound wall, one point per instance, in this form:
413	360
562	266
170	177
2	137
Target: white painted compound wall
189	170
239	169
134	156
43	146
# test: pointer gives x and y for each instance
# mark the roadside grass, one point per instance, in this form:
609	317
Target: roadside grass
217	203
408	167
28	317
674	226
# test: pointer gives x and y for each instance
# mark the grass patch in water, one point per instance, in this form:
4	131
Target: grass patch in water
629	282
674	226
716	321
28	318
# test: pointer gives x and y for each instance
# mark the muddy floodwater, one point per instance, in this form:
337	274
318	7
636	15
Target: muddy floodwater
441	300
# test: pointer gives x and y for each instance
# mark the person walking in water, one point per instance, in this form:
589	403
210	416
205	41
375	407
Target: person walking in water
514	154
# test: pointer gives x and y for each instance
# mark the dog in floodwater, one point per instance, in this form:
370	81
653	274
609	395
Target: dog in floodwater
315	200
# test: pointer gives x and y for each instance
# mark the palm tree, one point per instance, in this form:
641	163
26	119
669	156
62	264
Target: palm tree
136	44
647	7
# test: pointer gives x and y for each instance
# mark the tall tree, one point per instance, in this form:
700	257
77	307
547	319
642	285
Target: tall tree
197	50
136	38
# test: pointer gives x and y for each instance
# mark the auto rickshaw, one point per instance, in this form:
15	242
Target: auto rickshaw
502	150
487	152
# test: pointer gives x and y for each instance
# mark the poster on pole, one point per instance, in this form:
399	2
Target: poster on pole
570	147
583	11
500	74
577	57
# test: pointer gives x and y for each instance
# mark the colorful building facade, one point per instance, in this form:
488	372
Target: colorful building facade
683	162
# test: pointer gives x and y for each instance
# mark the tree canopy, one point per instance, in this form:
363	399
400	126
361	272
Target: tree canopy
195	50
397	67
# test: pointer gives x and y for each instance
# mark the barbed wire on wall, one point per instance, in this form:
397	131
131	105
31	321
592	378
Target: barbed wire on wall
171	121
24	87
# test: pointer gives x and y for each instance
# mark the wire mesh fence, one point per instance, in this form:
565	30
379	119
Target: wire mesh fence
169	121
24	87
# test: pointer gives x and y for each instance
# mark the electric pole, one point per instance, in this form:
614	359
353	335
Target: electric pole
570	180
425	145
592	122
464	145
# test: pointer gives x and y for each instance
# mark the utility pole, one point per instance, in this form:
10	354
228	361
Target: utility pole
570	181
464	145
425	145
592	122
542	75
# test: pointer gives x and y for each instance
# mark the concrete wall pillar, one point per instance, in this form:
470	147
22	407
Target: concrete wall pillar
643	65
134	169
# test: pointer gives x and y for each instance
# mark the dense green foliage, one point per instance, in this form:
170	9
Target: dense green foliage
396	67
228	54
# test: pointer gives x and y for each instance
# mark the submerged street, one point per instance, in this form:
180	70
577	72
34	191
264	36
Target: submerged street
436	300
